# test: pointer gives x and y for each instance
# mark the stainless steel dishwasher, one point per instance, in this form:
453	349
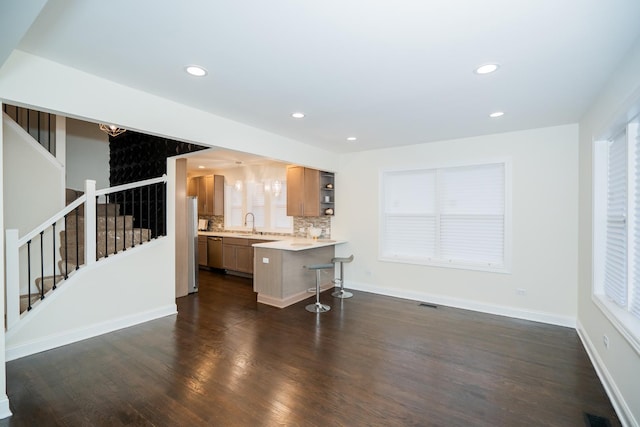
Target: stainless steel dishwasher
214	252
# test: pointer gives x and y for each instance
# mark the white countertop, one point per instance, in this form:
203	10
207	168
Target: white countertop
298	244
242	235
284	243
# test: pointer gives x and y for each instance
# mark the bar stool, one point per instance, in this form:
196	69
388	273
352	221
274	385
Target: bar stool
341	293
317	307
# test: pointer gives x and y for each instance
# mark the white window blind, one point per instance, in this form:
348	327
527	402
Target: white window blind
257	206
615	276
472	214
448	216
634	304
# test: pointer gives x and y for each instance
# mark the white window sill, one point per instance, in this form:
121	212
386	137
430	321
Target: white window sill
442	263
627	324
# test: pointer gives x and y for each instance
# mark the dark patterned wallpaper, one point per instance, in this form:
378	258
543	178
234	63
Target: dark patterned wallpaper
134	157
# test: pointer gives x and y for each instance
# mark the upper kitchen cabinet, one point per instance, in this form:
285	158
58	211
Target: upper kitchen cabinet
307	192
210	192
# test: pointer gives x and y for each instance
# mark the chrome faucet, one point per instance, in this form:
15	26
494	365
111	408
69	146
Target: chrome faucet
253	222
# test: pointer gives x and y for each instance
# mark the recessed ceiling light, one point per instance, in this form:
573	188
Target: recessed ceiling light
297	115
496	114
351	138
487	68
195	70
200	167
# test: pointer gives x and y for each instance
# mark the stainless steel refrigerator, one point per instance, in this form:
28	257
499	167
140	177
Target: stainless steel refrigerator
192	245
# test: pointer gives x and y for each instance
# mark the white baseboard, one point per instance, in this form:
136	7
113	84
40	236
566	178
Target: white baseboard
53	341
617	400
535	316
5	412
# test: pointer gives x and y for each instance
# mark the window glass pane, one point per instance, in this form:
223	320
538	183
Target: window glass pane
409	236
409	192
475	190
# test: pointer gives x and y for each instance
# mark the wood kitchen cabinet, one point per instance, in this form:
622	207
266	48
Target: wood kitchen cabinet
202	251
306	191
237	254
209	189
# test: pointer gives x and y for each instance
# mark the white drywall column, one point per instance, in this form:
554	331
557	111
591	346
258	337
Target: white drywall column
90	222
4	400
61	152
12	284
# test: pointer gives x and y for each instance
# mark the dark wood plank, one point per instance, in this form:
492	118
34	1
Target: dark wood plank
225	360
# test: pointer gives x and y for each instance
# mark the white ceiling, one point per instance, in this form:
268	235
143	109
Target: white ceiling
389	72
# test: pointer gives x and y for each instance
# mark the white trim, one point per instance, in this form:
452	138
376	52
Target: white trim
617	400
69	337
622	320
535	316
5	411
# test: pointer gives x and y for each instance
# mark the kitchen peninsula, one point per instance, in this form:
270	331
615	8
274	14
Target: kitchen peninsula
280	278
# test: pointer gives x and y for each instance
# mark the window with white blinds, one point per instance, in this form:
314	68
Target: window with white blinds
453	216
617	229
266	201
615	270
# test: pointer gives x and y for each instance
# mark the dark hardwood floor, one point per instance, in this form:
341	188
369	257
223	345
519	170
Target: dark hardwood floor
225	360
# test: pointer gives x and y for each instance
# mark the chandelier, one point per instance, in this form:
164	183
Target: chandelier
112	130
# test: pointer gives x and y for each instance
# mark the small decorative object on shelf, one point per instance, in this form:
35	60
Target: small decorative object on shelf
328	211
329	185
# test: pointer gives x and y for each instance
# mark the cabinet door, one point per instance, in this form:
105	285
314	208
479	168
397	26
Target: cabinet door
192	187
202	191
218	195
295	191
229	257
202	250
208	185
244	259
311	201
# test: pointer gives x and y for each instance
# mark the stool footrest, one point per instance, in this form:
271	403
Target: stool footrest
318	266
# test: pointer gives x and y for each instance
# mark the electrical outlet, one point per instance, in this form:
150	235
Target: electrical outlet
521	292
605	341
265	260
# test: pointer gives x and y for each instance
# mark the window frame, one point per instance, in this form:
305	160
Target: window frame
270	207
504	268
620	317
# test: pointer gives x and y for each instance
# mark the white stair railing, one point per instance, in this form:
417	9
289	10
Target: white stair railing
15	244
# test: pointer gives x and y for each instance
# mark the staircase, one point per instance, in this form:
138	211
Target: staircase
115	233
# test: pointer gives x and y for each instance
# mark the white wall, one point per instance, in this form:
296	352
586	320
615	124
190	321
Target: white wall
33	187
87	155
544	170
120	291
619	365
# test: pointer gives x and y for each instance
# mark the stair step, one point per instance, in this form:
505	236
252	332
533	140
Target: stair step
35	295
102	209
48	282
71	195
66	267
122	239
102	222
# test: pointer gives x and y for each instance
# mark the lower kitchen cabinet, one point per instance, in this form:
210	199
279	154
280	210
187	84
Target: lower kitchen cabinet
237	254
202	251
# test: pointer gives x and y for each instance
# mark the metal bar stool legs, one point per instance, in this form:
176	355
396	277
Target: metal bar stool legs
318	307
341	293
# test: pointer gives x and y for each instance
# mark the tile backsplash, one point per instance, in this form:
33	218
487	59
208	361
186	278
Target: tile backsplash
216	223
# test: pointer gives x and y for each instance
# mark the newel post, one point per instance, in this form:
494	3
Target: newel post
90	222
12	254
